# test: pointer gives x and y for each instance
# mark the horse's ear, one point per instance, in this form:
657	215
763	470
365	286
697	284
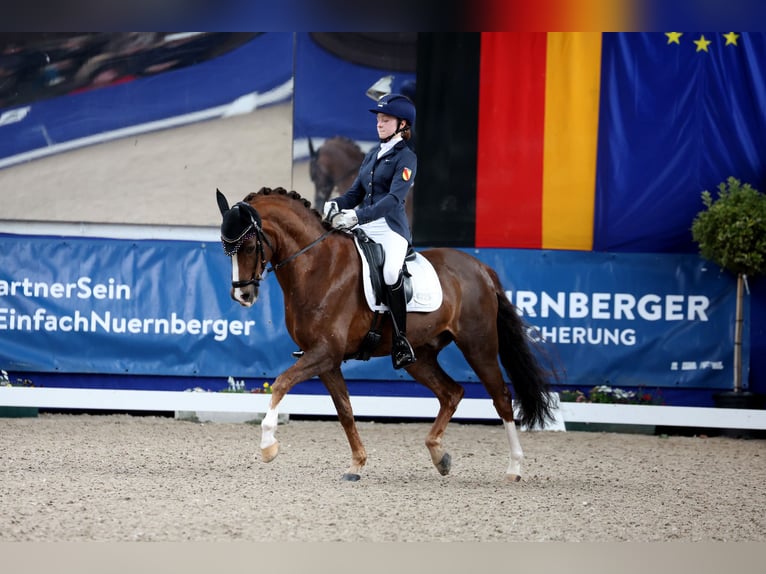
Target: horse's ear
312	152
223	205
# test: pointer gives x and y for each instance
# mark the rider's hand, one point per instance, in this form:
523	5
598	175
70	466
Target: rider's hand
330	209
346	219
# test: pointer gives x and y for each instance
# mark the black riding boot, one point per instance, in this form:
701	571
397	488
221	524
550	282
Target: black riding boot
401	350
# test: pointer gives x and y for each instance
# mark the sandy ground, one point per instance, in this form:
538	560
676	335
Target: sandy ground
167	177
127	478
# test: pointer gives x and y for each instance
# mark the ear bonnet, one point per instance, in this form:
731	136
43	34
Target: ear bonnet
239	224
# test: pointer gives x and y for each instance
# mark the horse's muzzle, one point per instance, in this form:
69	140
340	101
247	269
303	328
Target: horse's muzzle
245	292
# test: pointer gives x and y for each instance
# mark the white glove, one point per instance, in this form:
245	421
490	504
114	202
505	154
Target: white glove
330	208
346	219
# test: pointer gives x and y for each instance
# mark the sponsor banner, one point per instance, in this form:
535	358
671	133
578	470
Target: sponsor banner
162	308
131	307
654	320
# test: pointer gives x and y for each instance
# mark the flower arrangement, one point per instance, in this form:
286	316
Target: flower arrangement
607	394
238	386
5	381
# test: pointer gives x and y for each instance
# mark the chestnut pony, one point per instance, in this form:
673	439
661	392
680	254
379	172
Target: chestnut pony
327	316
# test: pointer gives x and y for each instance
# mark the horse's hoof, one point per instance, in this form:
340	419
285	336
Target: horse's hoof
350	477
270	452
444	464
513	477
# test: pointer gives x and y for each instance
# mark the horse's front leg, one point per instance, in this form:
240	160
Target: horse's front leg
269	442
282	385
312	363
336	385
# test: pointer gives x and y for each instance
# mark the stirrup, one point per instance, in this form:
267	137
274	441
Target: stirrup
402	354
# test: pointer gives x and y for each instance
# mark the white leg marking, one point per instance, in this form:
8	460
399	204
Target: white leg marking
268	428
517	455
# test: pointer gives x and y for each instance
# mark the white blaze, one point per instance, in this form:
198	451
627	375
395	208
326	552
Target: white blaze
235	277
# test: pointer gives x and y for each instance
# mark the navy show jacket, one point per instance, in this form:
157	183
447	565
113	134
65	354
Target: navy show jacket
381	187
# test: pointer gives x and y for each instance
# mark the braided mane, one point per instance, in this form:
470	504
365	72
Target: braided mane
282	191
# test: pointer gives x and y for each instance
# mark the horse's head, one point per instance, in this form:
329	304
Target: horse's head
333	167
320	176
243	240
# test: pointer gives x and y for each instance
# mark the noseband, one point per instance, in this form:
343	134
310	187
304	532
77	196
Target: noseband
260	238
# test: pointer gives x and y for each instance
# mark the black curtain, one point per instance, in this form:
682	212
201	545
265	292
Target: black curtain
447	101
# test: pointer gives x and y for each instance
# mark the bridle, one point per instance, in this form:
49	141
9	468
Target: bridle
255	230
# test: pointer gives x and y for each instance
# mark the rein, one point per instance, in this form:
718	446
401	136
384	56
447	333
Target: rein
301	252
260	237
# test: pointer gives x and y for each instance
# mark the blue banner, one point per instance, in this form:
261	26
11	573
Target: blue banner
130	307
628	320
149	307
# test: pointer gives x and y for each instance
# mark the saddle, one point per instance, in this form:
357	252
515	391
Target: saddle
421	287
375	256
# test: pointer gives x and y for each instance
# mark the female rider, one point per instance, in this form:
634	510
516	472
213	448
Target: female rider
375	202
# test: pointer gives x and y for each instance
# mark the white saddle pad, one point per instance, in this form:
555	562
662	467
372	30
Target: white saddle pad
426	289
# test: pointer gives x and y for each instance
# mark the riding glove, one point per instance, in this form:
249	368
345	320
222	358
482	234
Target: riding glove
346	219
330	209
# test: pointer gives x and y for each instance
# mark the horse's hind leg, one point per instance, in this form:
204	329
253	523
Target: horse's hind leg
482	358
428	372
336	385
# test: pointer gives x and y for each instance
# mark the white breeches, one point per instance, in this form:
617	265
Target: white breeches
394	245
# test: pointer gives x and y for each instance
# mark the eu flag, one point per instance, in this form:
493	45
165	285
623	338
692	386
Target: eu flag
678	114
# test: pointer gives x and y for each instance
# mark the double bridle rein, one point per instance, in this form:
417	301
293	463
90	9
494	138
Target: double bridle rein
255	230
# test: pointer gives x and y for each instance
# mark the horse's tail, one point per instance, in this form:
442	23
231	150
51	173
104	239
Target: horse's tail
529	380
312	151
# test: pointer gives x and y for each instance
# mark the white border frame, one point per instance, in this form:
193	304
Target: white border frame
371	406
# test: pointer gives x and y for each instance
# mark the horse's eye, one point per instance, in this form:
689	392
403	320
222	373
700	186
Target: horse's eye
249	248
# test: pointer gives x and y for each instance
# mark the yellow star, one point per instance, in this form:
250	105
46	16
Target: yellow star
674	37
702	44
731	38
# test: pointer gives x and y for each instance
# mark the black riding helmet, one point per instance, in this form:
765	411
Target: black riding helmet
397	105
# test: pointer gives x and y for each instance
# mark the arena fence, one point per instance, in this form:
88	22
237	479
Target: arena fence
372	406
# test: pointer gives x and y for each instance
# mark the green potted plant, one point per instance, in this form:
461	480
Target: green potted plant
731	232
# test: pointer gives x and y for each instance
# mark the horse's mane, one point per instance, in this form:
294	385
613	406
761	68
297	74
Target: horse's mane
282	191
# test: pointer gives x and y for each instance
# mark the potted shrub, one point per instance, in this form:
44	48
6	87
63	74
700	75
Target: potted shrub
731	232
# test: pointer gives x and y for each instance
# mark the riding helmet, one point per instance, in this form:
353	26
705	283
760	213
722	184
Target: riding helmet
396	105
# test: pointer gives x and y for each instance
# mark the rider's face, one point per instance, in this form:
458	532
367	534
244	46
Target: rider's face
386	125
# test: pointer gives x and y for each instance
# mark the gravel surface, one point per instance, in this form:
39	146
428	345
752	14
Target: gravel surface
137	478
